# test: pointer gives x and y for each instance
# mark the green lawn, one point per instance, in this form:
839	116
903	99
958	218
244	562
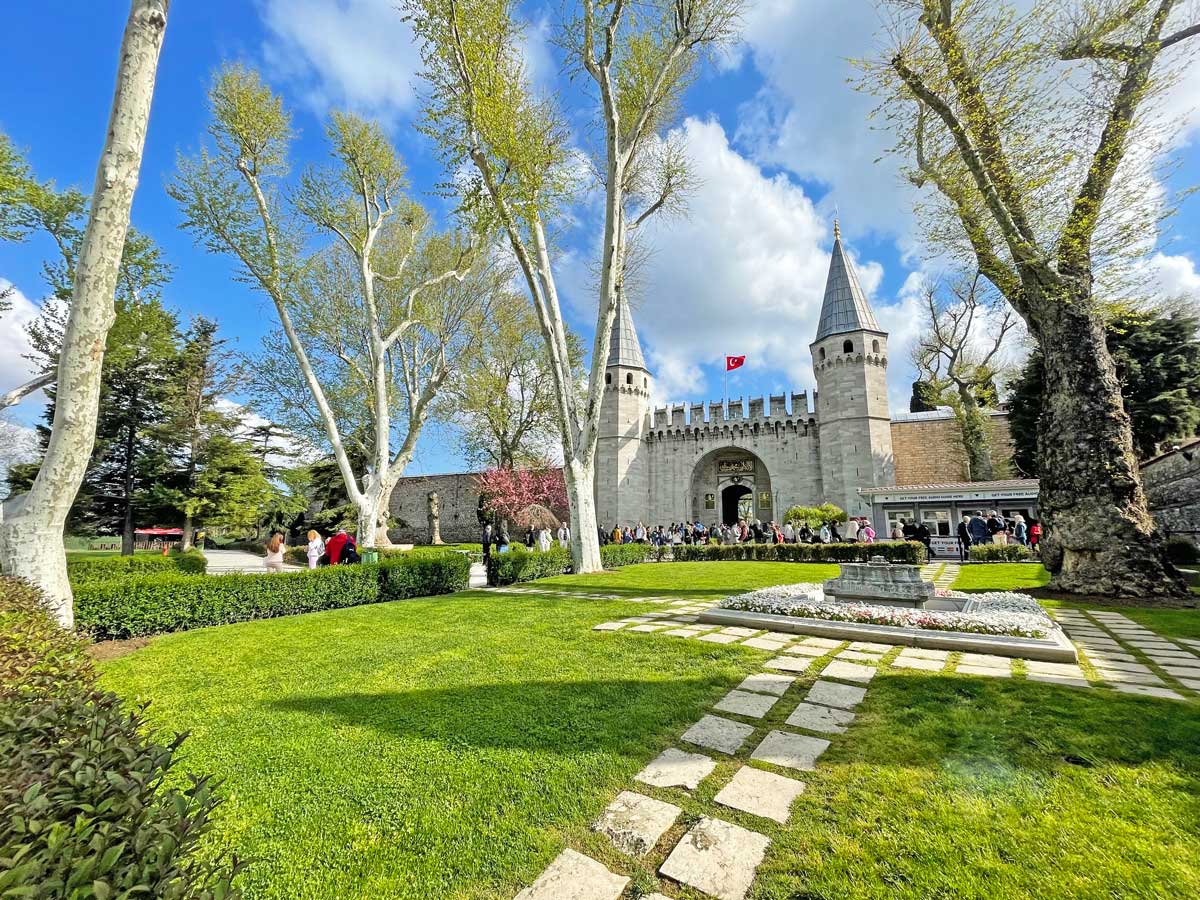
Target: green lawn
1000	577
450	748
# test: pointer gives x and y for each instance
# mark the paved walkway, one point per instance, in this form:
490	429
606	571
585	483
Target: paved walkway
237	561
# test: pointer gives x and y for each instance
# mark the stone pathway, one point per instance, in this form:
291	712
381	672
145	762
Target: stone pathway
942	574
714	856
223	561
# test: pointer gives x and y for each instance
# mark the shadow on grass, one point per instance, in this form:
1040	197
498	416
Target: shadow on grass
568	717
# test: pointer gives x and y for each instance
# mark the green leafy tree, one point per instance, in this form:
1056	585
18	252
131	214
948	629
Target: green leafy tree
229	490
1156	354
825	514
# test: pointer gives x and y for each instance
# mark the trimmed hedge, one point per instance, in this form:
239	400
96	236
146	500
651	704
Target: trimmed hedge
912	552
985	553
92	568
128	607
84	810
519	564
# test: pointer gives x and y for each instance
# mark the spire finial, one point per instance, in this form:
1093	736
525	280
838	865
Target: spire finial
837	228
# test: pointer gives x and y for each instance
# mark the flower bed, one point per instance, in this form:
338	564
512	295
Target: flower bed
995	613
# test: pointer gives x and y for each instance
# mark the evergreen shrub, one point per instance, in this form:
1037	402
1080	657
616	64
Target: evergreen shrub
519	564
151	604
985	553
912	552
92	568
85	810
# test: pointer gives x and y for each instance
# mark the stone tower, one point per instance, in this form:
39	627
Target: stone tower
622	482
849	358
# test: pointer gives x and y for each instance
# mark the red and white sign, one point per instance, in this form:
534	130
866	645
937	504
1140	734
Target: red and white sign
734	362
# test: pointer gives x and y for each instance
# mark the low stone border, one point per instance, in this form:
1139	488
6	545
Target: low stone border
1054	648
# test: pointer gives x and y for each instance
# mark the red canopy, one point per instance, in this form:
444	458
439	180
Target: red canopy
160	532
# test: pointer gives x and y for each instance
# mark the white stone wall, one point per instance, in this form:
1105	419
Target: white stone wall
622	488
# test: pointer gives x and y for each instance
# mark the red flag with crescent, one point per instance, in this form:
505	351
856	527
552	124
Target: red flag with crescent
734	362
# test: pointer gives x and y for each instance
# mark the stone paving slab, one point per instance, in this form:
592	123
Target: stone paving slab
1192	684
761	793
1118	664
767	683
814	717
1061	679
675	768
1174	659
1148	691
760	643
924	653
739	631
789	663
718	734
744	703
718	638
827	643
648	627
609	626
573	876
1113	657
1181	671
845	671
634	822
829	693
855	656
870	647
805	650
1113	676
918	662
792	751
718	858
985	659
636	619
1048	668
1152	645
683	632
985	671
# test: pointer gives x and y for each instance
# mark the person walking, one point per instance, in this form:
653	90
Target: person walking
275	548
964	537
1035	534
564	535
1020	530
486	539
978	529
866	533
316	549
543	539
997	528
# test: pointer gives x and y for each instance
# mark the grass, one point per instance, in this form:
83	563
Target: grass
1000	577
452	748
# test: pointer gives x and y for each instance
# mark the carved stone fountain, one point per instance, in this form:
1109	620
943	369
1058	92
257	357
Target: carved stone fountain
886	584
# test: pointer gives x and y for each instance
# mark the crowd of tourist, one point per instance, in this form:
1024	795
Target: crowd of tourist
745	531
994	528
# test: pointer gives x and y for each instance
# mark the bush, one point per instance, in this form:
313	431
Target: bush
1182	552
84	812
150	604
92	568
912	552
519	564
984	553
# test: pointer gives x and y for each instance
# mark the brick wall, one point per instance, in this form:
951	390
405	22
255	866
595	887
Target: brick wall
457	501
929	451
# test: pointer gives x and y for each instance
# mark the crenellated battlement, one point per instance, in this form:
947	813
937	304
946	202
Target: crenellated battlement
772	413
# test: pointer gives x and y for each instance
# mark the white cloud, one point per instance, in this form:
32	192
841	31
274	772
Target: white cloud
348	53
744	274
15	370
1174	277
18	444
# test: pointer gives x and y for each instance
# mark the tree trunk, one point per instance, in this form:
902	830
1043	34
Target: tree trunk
189	532
1099	536
585	539
976	440
127	481
31	525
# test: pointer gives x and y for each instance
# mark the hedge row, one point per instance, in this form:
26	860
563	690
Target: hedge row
84	810
91	568
1001	553
893	551
519	564
150	604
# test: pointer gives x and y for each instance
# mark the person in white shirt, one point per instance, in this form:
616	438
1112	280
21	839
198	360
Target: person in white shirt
316	548
564	535
852	530
543	539
789	533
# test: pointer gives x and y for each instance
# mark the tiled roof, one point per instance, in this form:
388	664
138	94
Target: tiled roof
624	349
1004	485
845	307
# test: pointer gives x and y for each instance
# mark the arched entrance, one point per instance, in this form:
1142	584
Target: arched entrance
728	484
737	502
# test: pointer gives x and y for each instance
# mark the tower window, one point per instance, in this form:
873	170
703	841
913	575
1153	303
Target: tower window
608	377
822	354
874	346
646	383
629	378
848	347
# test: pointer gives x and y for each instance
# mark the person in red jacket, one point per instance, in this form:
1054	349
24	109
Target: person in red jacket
335	544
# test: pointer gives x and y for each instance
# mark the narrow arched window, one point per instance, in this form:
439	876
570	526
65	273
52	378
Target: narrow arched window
848	347
822	354
646	383
874	346
629	378
608	377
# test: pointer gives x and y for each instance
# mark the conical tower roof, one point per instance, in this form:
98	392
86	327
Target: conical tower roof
624	348
845	307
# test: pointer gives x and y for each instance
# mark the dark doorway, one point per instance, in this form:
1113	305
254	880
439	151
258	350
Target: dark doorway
736	503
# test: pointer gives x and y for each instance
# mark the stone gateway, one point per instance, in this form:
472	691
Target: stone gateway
721	464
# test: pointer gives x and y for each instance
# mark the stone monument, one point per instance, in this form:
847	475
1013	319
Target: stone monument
435	519
881	583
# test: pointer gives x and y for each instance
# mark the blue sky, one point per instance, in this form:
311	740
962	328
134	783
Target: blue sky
777	134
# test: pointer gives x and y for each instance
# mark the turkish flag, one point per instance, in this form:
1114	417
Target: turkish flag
734	362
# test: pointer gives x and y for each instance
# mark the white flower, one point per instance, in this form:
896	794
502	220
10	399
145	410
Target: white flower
996	612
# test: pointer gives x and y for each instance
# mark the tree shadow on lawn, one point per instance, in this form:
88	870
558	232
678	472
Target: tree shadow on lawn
570	717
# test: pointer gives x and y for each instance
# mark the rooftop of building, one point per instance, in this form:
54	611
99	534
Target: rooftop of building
844	307
1007	484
